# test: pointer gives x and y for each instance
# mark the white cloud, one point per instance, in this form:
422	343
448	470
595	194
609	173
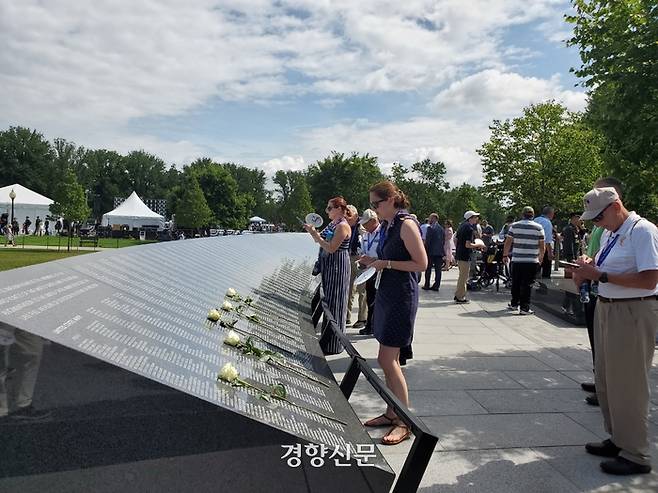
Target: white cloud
88	71
406	142
293	163
502	94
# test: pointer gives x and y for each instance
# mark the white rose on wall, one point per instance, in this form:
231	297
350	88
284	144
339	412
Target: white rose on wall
213	315
232	338
231	293
227	307
228	373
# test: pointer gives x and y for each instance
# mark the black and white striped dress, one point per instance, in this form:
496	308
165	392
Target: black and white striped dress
335	272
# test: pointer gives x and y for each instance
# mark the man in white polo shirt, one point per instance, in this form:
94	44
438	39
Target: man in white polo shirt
625	321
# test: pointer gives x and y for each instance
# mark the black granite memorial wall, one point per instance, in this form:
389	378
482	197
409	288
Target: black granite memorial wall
127	396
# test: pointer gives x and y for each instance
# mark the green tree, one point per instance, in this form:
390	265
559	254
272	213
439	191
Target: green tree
26	157
350	177
294	198
145	173
192	211
69	199
618	42
221	192
424	184
252	185
546	156
103	174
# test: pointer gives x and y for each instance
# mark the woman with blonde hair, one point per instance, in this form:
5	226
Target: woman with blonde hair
335	270
401	256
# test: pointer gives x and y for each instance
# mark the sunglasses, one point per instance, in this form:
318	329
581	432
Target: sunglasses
599	217
375	204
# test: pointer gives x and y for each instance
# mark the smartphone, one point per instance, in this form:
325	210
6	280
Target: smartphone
571	265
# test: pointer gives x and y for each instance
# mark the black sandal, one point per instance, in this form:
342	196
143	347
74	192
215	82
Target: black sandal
390	421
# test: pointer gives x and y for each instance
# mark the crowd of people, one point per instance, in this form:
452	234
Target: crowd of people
616	263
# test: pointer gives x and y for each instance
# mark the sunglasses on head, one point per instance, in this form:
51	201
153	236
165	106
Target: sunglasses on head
375	204
599	217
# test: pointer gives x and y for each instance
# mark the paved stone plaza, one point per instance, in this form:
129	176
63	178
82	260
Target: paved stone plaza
502	393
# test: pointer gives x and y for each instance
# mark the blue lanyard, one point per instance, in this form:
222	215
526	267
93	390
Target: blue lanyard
370	241
606	251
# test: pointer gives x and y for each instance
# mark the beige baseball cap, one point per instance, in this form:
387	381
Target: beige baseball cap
596	200
368	215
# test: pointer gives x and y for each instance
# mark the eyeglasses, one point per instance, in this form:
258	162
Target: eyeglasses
599	217
376	203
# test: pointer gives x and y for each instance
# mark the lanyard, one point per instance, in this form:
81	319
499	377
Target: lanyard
370	239
606	251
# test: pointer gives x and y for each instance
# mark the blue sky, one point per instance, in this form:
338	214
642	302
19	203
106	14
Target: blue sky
278	85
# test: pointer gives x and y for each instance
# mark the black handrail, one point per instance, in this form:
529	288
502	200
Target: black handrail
423	446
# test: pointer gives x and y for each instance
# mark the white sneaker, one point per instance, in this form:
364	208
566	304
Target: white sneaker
526	312
512	307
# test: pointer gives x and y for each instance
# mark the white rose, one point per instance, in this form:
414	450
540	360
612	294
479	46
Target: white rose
232	338
230	292
227	307
228	373
213	315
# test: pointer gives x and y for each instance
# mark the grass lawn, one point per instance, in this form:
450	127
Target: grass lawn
10	258
55	241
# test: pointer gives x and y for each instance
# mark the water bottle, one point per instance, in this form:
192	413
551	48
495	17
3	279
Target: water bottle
584	292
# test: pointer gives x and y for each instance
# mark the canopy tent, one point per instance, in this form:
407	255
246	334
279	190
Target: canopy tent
27	203
257	219
134	213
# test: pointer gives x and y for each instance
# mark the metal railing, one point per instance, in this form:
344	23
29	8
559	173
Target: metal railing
424	442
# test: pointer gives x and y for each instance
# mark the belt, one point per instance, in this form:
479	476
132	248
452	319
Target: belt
620	300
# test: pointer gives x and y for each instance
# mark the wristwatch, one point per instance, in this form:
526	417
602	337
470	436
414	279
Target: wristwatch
388	265
603	277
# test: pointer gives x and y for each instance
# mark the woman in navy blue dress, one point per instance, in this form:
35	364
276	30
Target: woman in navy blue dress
401	256
334	268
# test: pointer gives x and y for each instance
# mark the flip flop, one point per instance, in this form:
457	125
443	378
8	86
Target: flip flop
402	438
390	421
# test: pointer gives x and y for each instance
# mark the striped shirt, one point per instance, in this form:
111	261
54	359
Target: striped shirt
526	235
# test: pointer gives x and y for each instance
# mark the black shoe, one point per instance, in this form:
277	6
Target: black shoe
365	331
434	289
426	288
403	361
624	467
461	302
603	449
30	413
359	324
592	400
588	387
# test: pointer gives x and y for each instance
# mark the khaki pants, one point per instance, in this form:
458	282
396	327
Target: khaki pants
359	290
460	292
19	367
624	338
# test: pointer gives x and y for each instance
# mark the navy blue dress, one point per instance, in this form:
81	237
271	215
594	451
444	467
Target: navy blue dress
396	302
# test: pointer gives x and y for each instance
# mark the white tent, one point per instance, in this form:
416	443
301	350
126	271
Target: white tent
26	203
134	213
257	219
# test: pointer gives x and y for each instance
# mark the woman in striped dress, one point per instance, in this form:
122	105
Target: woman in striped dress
334	268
